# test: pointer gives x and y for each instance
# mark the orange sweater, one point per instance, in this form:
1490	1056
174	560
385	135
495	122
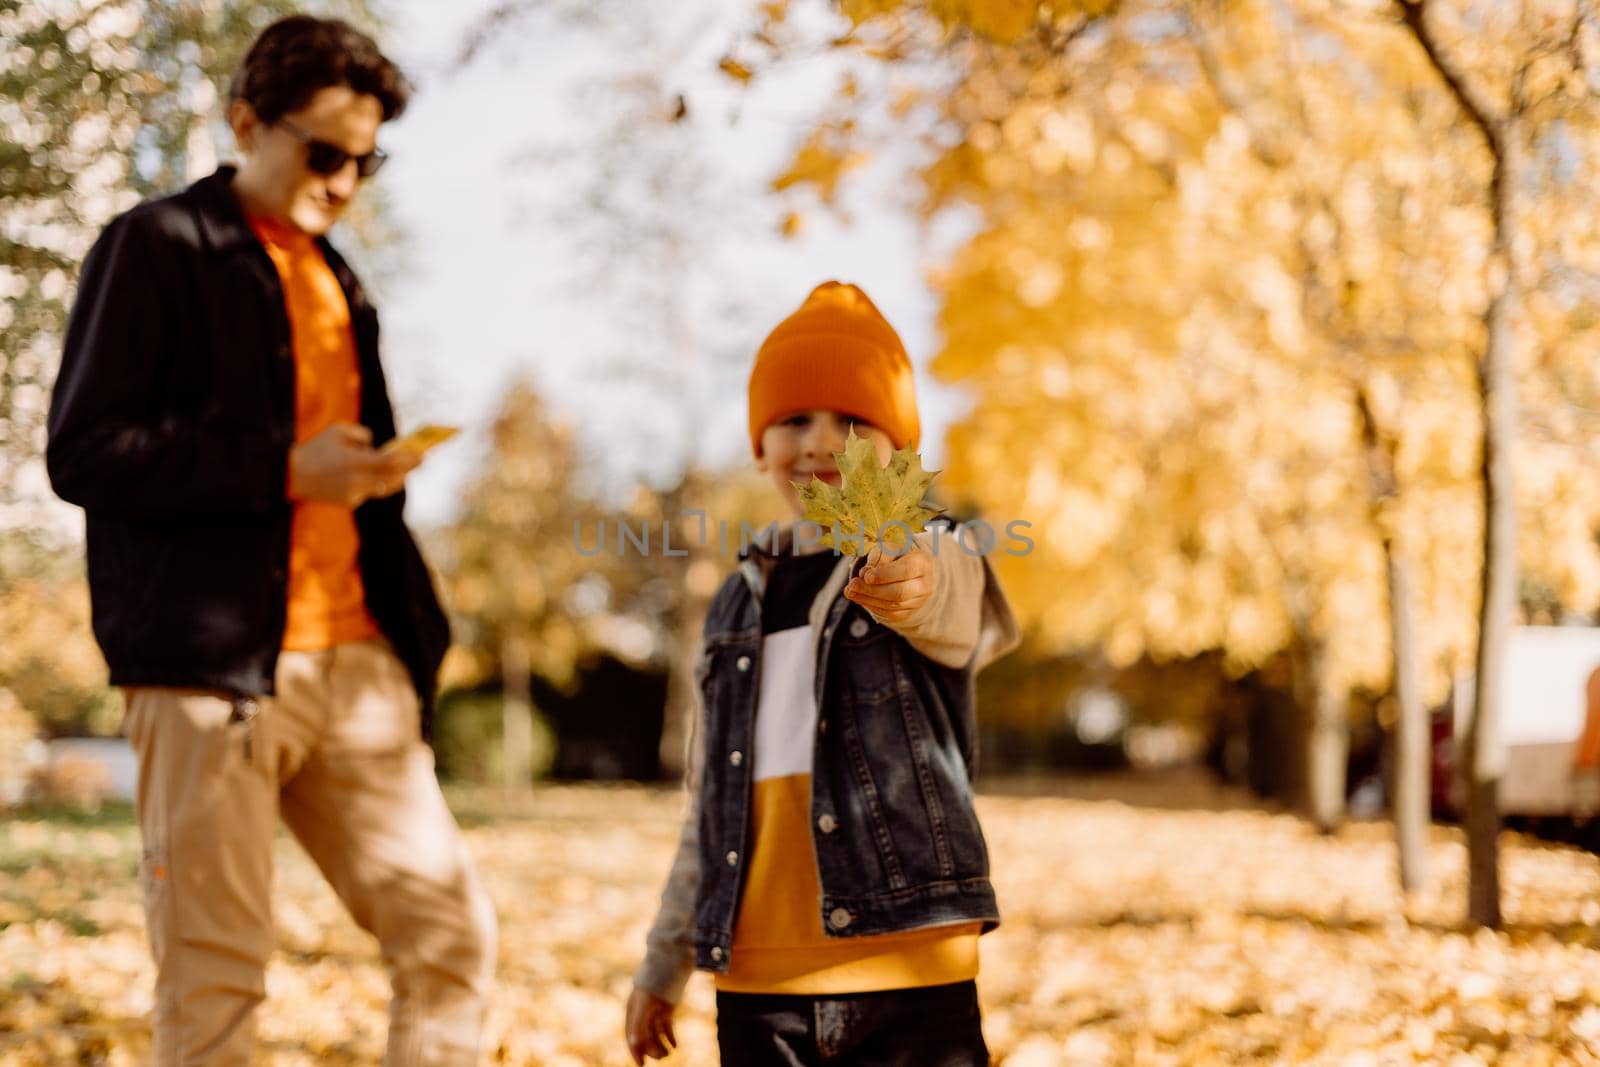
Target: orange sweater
327	602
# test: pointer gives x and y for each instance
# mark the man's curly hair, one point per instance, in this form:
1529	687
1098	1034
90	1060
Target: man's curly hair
297	56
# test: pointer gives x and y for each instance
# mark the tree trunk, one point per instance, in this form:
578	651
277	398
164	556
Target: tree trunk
1413	756
1413	771
1328	752
1325	737
1482	757
516	717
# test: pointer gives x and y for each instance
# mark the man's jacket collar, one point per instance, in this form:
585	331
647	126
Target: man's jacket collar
220	213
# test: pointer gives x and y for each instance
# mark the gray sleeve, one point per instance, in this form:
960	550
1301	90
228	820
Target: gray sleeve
967	619
669	946
947	626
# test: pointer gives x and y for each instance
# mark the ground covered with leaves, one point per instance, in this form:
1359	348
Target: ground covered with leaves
1137	931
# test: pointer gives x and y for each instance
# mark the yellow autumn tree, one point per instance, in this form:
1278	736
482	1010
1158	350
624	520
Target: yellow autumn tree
50	665
1210	236
509	569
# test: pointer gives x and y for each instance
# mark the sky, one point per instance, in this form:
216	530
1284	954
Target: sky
629	268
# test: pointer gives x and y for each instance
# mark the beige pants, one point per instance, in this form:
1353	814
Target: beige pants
338	753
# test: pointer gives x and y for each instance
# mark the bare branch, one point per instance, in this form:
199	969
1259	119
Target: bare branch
1266	146
1477	106
1056	41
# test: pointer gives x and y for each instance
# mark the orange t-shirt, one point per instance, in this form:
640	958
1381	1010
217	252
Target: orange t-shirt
327	602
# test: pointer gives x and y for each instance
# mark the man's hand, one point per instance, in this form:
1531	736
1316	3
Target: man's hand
340	466
649	1027
894	588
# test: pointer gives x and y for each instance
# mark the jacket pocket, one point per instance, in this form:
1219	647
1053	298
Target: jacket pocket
863	658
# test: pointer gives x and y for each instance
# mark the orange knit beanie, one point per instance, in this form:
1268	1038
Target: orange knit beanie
839	353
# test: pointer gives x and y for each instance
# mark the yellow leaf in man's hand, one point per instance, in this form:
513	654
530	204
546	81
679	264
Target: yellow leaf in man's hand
869	499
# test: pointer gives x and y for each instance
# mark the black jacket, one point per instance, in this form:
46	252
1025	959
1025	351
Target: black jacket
171	424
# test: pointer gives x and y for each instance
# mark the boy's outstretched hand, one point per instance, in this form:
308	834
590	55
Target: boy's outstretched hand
893	587
649	1027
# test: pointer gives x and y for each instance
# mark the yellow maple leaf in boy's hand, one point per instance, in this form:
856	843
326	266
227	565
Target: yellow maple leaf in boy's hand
870	497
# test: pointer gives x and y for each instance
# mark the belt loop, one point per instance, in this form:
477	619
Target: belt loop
245	710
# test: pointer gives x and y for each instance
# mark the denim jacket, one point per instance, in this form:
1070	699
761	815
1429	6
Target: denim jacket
894	753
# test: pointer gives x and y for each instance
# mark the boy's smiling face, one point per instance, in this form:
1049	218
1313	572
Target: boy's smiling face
802	443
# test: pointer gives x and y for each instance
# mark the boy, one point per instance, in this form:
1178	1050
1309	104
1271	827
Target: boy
831	869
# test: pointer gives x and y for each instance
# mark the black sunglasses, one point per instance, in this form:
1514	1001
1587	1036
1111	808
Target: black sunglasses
325	158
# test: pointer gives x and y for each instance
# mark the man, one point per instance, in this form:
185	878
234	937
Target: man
255	590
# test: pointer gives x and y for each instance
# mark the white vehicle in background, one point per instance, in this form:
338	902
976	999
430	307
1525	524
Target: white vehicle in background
1549	724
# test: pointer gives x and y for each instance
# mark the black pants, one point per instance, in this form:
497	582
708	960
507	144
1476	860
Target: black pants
936	1026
